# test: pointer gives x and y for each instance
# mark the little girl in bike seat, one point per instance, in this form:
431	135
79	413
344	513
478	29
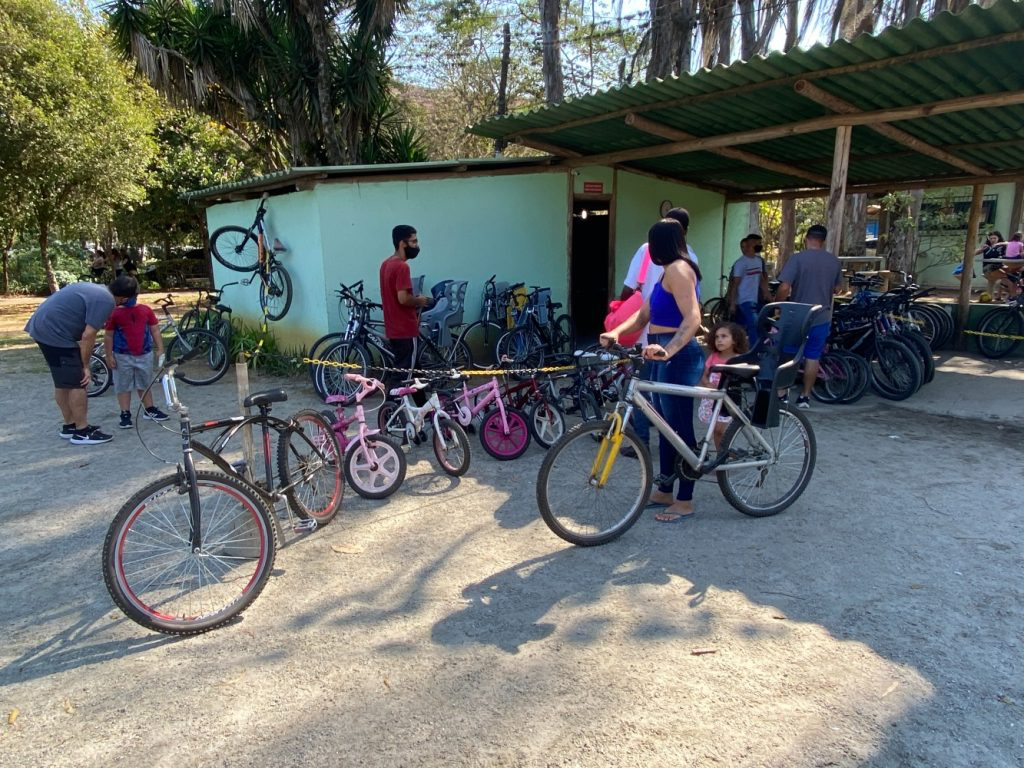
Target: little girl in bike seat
725	341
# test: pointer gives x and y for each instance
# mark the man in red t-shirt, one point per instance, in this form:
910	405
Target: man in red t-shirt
401	316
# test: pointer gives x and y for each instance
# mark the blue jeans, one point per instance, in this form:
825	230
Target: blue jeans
685	367
746	315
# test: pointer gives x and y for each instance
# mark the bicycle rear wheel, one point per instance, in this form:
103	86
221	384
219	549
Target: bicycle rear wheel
236	248
351	357
764	491
276	293
895	370
1003	322
481	339
860	376
207	356
313	468
155	577
834	379
574	504
547	422
521	348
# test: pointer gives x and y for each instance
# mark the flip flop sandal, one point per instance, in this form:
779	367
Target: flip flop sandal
677	519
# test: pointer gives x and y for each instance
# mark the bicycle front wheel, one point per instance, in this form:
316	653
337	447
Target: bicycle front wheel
481	339
236	248
767	490
375	466
574	502
347	357
99	376
547	423
276	293
308	459
451	448
156	577
207	356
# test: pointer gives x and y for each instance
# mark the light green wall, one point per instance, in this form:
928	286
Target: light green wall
294	220
637	208
599	173
469	228
737	226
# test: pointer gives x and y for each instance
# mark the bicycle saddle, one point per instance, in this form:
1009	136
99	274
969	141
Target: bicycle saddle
278	246
739	370
409	389
263	399
222	308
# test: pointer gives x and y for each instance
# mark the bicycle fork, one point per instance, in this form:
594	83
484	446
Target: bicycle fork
607	453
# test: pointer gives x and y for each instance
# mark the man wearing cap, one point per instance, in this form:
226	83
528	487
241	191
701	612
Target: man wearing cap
812	276
748	285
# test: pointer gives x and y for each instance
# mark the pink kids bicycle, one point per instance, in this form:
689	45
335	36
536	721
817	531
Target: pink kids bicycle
418	409
374	464
504	431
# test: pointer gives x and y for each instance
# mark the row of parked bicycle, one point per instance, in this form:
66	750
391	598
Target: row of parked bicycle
881	341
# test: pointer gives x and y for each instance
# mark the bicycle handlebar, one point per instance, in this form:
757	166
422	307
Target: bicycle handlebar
366	385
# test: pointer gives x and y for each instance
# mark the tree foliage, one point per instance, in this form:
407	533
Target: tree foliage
74	128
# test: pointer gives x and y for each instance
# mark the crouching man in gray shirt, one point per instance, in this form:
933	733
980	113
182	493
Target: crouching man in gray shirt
65	327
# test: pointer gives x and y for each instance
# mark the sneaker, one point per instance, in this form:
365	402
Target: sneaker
126	420
67	431
155	414
784	398
90	436
803	402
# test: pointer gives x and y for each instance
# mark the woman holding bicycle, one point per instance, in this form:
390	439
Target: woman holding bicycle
673	311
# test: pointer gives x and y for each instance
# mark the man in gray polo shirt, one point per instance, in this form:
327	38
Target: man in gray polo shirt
65	327
812	276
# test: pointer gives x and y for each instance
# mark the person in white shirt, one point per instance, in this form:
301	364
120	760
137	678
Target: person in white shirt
748	286
630	285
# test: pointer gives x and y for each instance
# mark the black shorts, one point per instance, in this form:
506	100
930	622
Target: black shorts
65	365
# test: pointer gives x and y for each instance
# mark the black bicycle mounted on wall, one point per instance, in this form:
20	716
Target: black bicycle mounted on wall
247	250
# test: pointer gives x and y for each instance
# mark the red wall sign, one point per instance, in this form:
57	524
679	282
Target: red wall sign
593	187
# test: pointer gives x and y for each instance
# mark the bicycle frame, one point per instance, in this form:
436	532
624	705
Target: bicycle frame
634	398
416	416
469	406
341	423
187	466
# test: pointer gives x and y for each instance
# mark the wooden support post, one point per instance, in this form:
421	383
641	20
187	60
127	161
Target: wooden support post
837	190
1017	211
242	382
971	244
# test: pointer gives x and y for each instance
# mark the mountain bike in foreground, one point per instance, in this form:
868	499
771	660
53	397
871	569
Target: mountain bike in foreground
246	250
589	493
192	550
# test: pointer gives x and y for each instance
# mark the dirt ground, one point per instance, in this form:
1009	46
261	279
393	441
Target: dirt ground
877	622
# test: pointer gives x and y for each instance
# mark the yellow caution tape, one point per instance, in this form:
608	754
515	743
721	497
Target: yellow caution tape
995	335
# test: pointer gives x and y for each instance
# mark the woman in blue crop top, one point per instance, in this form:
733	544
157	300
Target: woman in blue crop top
673	312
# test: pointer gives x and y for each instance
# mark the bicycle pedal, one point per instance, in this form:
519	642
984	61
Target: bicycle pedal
305	526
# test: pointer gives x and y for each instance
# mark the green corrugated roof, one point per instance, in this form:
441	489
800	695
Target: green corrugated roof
977	52
288	177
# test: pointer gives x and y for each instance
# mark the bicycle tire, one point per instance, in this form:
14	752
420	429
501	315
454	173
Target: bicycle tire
520	348
251	538
452	430
379	476
236	248
330	379
860	376
576	508
276	293
318	495
895	370
588	406
547	423
564	336
189	320
501	446
481	340
834	379
920	345
199	371
943	322
100	376
1005	321
793	428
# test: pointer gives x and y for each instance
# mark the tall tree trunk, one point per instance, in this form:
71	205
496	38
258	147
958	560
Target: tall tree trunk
855	224
506	50
313	12
723	29
787	233
5	286
903	234
663	42
44	255
792	24
748	29
550	11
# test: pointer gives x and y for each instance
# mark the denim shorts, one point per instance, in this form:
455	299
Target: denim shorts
816	338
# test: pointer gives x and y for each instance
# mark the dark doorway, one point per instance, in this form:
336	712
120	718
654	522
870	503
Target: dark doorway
588	269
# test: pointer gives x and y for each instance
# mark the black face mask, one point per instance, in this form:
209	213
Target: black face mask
411	251
758	248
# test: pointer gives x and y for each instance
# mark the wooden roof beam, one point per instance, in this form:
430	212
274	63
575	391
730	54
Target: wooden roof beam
880	187
543	146
864	66
827	122
839	106
667	132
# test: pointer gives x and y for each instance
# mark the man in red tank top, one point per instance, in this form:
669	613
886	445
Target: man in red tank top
401	316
